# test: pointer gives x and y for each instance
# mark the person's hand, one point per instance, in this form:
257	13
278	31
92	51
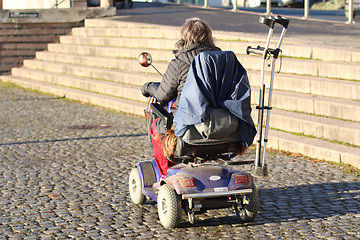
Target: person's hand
145	89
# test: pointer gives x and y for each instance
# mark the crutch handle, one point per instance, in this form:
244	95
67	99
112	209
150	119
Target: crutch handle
268	21
258	50
282	21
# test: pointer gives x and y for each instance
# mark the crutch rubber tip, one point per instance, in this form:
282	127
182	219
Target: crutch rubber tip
259	171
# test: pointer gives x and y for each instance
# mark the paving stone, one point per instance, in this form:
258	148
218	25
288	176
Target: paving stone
61	183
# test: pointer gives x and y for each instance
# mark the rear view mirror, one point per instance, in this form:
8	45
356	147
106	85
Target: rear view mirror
145	59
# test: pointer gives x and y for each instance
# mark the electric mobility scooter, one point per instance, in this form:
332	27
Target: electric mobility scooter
200	180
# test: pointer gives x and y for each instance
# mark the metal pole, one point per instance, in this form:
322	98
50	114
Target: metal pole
106	3
234	5
351	12
261	95
206	4
306	8
269	98
268	6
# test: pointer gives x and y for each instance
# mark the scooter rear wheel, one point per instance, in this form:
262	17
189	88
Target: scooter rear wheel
135	187
251	208
169	207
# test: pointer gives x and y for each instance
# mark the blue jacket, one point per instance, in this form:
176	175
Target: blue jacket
216	80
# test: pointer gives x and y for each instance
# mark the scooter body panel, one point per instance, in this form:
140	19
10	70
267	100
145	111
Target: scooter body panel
194	180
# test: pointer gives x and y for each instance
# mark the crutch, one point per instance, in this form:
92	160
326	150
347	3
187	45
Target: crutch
259	167
284	23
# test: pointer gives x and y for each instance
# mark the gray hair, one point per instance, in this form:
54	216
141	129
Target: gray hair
195	30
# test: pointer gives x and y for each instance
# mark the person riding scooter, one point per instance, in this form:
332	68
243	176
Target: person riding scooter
196	37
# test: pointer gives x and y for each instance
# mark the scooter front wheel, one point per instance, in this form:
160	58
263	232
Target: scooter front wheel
169	207
135	187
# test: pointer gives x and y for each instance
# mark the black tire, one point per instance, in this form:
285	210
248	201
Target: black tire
169	207
135	187
251	207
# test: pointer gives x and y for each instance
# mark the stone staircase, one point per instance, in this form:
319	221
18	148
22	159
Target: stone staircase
20	41
316	98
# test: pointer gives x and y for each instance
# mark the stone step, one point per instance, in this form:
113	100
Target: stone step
302	84
317	126
238	47
291	101
311	104
63	25
108	23
233	41
33	38
150	43
22	40
314	148
168	34
116	52
126	64
290	48
146	42
111	102
314	126
34	31
311	85
293	66
90	72
350	71
17	60
126	91
127	32
5	68
17	52
18	46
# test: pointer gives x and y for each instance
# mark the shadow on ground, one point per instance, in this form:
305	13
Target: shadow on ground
292	204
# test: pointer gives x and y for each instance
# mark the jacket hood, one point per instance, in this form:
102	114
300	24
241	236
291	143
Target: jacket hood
189	53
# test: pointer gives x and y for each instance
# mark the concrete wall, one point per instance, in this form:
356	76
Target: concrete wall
55	15
35	4
46	4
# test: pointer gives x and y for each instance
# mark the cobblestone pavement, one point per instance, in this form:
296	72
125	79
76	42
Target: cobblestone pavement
64	168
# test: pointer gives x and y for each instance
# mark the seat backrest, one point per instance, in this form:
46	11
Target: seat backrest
215	101
219	126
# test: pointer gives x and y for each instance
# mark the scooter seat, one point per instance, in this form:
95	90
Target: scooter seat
205	149
218	134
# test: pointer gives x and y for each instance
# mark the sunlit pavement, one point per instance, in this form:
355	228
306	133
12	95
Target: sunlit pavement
64	168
